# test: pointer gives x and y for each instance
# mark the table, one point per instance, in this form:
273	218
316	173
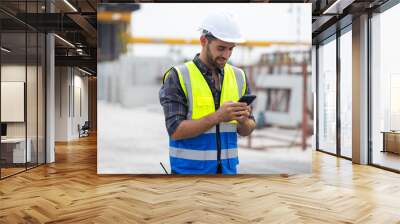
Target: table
16	147
391	141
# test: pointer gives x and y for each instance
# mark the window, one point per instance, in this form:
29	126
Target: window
385	89
327	96
22	78
278	99
346	94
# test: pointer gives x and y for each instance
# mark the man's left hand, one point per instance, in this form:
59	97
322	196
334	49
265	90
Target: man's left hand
245	114
245	124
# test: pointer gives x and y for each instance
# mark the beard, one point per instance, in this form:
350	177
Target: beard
216	62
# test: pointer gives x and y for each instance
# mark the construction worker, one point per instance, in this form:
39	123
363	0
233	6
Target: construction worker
200	105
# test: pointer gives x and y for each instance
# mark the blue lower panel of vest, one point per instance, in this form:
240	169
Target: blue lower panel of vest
187	166
206	142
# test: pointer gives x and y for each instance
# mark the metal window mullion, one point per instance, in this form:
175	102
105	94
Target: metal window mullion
45	89
45	95
26	88
0	97
37	91
316	96
369	89
338	95
73	91
69	93
60	91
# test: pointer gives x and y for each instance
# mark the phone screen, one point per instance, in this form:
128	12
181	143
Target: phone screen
247	99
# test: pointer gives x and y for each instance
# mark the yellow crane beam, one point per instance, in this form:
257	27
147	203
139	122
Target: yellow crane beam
181	41
107	16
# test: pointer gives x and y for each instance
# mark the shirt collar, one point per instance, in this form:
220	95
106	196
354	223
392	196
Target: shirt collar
203	68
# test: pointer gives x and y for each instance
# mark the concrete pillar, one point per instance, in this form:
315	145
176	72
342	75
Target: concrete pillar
50	91
63	101
50	100
360	90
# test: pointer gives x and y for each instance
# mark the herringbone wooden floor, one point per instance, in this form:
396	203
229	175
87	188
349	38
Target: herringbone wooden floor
70	191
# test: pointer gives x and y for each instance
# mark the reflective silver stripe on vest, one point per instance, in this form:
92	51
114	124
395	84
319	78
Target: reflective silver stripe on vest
239	80
201	154
227	127
186	80
223	127
212	130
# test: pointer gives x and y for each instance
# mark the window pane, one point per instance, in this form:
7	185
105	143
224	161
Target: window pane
327	97
14	150
31	100
346	94
41	98
32	84
386	89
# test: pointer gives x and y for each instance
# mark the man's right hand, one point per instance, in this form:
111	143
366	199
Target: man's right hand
227	112
232	111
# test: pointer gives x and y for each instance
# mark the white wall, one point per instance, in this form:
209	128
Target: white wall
71	87
61	103
79	117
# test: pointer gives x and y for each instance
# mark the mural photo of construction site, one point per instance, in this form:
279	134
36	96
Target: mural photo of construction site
139	43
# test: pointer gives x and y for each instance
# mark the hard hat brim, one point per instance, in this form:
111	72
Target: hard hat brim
230	40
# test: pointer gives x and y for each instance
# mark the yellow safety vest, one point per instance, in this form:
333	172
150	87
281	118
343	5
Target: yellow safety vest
201	154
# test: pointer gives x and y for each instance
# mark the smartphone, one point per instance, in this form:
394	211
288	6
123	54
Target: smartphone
247	99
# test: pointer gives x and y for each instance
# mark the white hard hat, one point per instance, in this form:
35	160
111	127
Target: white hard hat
222	25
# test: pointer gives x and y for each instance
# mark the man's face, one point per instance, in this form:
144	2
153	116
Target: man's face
218	52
